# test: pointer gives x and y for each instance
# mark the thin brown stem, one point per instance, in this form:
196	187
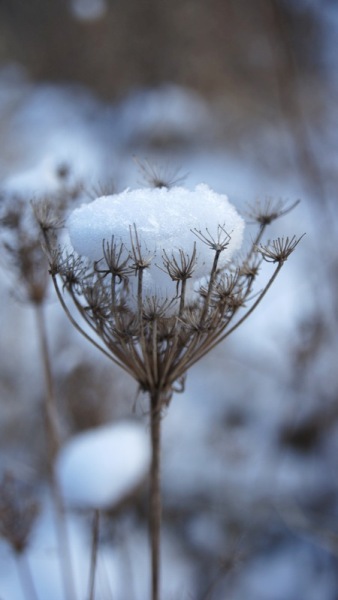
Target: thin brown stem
51	415
94	553
155	501
182	297
54	441
143	343
154	350
210	286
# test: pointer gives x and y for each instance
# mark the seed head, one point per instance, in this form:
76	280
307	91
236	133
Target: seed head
45	215
114	261
280	249
180	268
218	243
264	212
73	270
150	330
141	260
156	176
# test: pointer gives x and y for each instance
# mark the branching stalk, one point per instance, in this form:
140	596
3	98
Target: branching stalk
155	502
54	441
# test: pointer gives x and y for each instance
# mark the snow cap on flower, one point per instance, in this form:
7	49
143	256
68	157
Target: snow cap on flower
166	220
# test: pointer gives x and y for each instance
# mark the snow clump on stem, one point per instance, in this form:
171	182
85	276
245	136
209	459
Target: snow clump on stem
162	223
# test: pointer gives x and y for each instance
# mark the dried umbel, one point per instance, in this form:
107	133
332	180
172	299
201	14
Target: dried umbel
22	250
22	224
159	310
155	280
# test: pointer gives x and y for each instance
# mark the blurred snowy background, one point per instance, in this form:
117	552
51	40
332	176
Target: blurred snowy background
240	95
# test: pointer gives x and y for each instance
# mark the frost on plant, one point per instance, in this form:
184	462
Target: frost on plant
151	271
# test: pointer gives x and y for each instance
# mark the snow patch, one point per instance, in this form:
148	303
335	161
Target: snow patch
100	467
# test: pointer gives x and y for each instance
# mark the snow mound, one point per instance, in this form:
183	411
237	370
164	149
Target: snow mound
166	220
100	467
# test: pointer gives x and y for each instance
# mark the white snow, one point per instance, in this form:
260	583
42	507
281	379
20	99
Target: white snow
165	220
100	467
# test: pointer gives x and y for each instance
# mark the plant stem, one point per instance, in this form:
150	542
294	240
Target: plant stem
52	428
53	441
155	501
93	558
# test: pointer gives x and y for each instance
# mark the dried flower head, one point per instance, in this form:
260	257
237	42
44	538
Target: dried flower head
218	242
72	268
101	189
180	269
278	251
141	259
25	228
46	215
156	176
24	258
264	212
156	320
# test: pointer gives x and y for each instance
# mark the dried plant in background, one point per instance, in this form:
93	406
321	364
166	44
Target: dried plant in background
156	338
22	223
25	261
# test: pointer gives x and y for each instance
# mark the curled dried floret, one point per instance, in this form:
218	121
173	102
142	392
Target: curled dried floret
155	308
226	288
195	321
55	258
101	189
159	176
140	259
264	212
73	270
250	268
180	268
125	328
218	243
116	263
98	302
280	249
46	216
